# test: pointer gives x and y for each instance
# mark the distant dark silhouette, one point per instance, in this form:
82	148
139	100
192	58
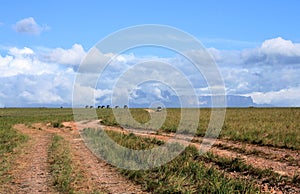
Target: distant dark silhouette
158	109
116	106
125	106
107	106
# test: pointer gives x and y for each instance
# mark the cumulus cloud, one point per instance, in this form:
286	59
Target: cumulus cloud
72	56
277	51
36	90
279	46
263	71
21	52
268	73
29	26
283	97
87	95
23	61
26	80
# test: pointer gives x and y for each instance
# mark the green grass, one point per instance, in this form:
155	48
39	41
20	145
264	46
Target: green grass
185	174
278	127
10	139
102	145
238	165
61	167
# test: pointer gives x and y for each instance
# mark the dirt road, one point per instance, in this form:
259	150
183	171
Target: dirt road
285	162
30	171
282	161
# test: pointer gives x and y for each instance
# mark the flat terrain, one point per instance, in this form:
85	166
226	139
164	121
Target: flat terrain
30	171
284	162
258	152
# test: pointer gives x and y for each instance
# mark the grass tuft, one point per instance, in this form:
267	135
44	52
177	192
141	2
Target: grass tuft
61	165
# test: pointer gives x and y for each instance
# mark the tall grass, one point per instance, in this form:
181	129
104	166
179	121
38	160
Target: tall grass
185	174
61	165
10	139
278	127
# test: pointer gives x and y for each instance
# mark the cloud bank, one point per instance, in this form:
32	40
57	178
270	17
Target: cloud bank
269	74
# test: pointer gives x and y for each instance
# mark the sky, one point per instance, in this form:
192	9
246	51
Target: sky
256	45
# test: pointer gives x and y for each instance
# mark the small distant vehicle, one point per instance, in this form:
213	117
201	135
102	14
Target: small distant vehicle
158	109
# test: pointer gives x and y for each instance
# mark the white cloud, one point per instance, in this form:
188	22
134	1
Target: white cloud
21	52
29	26
283	97
36	90
86	95
23	61
273	66
273	52
269	74
41	97
27	80
72	56
279	46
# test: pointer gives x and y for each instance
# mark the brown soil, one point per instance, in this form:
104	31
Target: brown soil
98	174
30	172
149	110
282	161
285	162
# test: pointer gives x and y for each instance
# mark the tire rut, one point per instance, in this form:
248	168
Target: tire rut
30	171
98	175
285	162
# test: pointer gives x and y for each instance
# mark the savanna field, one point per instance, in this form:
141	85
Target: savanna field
257	151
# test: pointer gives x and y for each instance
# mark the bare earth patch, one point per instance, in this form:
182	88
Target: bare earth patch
285	162
98	174
30	173
149	110
30	170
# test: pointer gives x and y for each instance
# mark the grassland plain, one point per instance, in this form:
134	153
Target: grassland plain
10	139
274	172
276	127
187	173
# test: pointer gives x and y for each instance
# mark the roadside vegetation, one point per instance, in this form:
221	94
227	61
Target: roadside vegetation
61	168
277	127
187	173
67	178
10	139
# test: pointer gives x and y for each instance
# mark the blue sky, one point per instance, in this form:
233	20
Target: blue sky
255	43
213	22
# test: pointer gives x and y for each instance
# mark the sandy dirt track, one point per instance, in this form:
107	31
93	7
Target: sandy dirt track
31	170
